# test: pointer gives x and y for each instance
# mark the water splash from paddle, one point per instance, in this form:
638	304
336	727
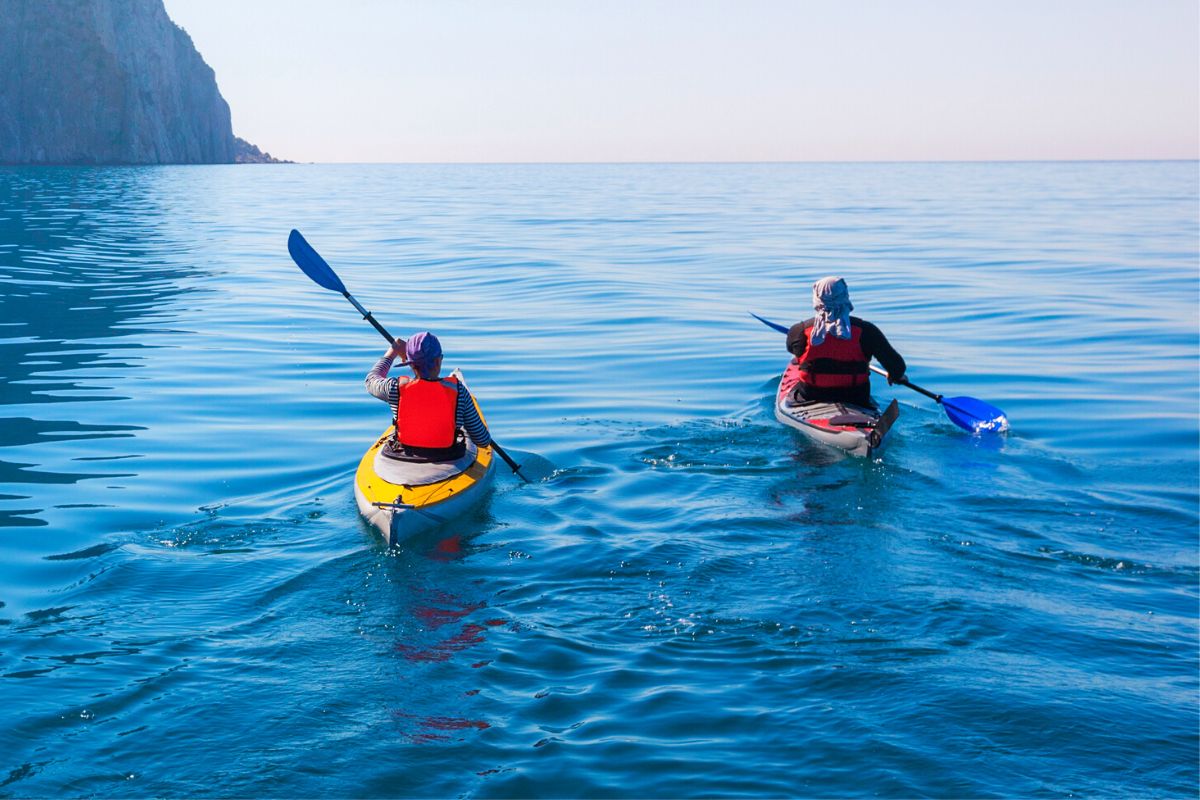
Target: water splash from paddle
995	425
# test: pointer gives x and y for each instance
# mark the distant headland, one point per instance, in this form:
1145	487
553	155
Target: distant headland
246	153
109	82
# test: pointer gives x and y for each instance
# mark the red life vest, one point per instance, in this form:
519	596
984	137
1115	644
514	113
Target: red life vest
425	413
835	363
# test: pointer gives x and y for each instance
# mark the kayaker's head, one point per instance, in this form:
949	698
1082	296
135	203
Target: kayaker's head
831	300
424	354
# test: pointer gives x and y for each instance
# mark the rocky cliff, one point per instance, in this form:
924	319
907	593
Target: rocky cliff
246	153
105	82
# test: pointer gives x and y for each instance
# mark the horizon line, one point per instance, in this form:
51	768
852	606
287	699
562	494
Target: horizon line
288	162
747	162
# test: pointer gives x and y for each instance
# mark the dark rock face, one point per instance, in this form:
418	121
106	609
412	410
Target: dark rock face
105	82
246	153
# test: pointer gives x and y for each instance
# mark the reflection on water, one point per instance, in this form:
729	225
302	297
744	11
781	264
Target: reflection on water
88	281
690	600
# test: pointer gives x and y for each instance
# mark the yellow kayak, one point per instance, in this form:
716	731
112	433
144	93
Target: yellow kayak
402	497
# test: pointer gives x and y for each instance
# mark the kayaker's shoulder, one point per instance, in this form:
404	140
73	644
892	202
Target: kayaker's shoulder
867	326
801	327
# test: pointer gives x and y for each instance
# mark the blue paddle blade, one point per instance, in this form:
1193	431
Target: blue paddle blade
314	266
974	415
968	413
768	322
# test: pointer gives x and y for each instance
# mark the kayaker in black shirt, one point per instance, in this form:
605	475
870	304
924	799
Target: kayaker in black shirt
833	350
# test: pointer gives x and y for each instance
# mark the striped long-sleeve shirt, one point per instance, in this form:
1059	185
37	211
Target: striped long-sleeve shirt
466	416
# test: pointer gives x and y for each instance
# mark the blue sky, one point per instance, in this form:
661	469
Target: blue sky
754	80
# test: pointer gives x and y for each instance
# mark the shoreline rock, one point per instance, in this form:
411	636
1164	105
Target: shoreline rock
246	153
91	82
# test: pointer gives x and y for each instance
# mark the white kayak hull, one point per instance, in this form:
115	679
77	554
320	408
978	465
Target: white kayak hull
854	429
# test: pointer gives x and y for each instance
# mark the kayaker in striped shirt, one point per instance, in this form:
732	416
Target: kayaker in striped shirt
428	410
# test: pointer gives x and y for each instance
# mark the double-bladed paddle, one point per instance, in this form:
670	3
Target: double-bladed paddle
968	413
311	264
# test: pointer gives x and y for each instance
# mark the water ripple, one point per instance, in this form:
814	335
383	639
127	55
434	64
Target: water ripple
690	600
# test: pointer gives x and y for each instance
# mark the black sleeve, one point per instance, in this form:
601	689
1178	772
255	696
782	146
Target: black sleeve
876	345
797	338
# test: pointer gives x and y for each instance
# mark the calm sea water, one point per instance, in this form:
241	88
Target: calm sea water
692	600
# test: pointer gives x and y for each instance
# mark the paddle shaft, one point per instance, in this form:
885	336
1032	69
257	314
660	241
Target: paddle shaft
383	331
369	317
968	413
875	369
319	271
906	382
